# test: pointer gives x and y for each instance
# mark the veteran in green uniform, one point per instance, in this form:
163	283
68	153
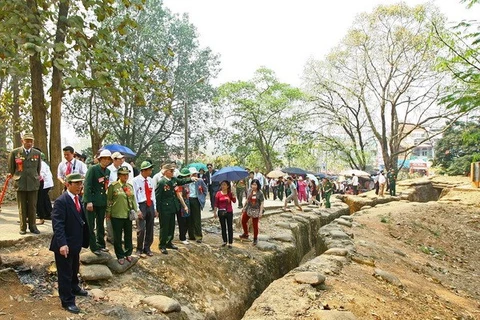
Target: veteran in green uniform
120	200
95	200
327	189
392	182
24	165
168	205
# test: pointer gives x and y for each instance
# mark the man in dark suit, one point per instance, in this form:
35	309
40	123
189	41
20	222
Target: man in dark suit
213	186
24	164
70	234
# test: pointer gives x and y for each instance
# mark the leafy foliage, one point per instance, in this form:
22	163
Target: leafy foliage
458	147
142	104
463	43
260	116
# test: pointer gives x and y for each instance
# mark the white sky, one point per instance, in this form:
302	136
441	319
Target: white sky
282	35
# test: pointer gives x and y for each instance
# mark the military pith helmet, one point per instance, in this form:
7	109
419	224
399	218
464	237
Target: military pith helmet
123	170
184	172
146	165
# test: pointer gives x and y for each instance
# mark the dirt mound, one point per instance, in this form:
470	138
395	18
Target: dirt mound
431	247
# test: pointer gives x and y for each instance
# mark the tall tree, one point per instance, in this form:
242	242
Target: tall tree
262	114
164	70
64	52
384	70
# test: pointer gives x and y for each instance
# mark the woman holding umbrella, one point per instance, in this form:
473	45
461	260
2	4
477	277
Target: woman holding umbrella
224	210
252	209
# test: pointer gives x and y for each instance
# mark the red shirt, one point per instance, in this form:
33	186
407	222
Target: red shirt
224	201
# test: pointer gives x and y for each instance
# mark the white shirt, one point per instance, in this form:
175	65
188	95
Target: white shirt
381	179
46	174
139	187
259	177
355	181
156	179
77	167
114	173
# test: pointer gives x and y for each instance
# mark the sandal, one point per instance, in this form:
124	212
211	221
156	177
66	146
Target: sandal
129	259
121	261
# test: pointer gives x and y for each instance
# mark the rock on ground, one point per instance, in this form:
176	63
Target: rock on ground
95	272
163	303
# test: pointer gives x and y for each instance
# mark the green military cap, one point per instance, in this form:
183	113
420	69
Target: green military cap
123	170
28	136
184	172
146	165
74	177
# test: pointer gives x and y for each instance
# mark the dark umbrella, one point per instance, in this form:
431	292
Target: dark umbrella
320	175
233	173
126	151
295	171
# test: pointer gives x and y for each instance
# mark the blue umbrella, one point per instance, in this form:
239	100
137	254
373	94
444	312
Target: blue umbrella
126	151
198	166
233	173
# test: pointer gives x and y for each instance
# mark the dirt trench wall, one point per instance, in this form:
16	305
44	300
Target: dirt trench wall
418	191
305	231
280	296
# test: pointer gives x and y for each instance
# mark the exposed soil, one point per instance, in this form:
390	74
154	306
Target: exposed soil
433	248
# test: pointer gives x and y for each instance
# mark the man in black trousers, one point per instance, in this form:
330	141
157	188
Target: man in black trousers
70	234
213	186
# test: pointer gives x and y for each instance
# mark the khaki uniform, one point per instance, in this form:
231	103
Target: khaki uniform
121	199
25	170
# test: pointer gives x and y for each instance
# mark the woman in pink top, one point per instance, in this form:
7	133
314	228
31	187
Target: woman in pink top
224	210
302	189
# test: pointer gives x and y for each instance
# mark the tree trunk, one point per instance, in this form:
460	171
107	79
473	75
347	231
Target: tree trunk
57	93
17	139
39	111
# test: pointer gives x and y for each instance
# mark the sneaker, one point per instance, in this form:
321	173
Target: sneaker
104	249
185	242
255	241
199	241
229	246
224	244
244	236
138	253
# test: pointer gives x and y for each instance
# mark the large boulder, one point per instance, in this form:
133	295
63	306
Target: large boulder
121	268
163	303
92	258
95	272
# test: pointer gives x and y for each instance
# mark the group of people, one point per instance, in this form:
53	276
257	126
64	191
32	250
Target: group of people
389	181
109	193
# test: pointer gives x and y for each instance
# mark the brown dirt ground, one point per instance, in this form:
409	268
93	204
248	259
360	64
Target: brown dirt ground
433	250
437	261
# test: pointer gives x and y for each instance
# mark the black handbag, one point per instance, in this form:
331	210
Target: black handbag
222	213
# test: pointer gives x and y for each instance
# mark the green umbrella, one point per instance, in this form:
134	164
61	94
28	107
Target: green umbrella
198	166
